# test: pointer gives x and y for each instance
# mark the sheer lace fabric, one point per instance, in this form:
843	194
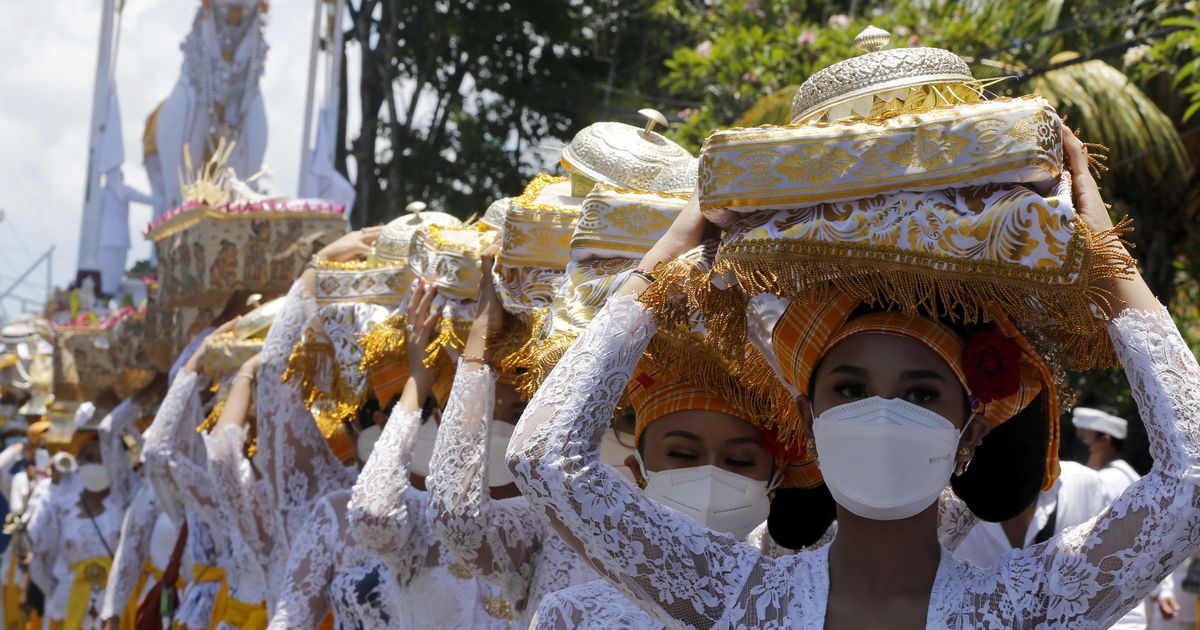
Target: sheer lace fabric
503	542
684	575
174	453
599	605
132	551
393	520
63	534
329	571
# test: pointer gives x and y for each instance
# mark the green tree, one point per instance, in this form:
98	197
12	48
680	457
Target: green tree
458	96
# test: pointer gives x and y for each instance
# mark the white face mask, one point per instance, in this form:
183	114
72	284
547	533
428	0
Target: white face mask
720	500
41	459
423	450
499	435
614	453
366	442
65	463
94	477
885	459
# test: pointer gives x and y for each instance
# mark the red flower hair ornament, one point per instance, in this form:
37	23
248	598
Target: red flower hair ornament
992	367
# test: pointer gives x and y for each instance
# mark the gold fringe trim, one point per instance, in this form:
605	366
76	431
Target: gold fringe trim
804	272
214	414
384	342
451	335
528	198
517	349
312	358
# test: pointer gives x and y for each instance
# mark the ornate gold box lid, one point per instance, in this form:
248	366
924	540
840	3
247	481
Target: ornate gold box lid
622	155
856	82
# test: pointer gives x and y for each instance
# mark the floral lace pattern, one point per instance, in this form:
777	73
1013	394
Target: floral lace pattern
329	571
173	454
132	551
599	605
297	465
503	542
393	520
62	534
684	575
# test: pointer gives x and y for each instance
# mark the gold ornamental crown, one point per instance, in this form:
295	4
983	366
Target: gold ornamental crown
393	244
899	79
622	155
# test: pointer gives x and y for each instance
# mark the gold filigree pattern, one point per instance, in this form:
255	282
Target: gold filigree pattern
1000	141
623	224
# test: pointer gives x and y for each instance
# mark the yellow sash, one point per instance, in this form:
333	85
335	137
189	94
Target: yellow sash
90	574
239	614
129	619
209	574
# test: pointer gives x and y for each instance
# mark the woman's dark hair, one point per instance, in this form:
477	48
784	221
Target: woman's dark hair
800	516
1009	466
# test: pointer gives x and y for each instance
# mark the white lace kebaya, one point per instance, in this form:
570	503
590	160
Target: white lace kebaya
504	542
177	457
394	521
200	552
687	576
598	605
316	563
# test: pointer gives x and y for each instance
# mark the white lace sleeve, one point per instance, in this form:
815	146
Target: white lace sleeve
1092	574
180	407
45	539
310	565
233	479
117	423
498	540
674	568
383	509
132	551
593	605
955	519
298	466
171	457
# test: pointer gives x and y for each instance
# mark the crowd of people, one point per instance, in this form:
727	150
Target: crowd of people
604	406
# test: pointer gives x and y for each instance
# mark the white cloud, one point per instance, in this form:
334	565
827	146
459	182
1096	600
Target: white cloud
46	84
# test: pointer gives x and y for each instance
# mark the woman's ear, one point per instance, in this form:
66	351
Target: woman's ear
632	464
976	429
804	408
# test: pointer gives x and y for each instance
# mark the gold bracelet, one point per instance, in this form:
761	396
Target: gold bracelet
638	273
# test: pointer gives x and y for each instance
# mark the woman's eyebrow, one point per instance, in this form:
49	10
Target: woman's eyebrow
683	434
923	374
848	369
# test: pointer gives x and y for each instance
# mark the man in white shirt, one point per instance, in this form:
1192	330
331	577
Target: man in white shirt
1104	435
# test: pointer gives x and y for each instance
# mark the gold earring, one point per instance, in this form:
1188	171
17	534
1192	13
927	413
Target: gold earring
810	445
961	467
642	484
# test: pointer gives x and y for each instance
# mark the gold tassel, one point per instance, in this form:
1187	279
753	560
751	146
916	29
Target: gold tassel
384	342
449	338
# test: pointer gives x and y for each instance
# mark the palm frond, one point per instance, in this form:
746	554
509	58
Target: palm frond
1110	109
